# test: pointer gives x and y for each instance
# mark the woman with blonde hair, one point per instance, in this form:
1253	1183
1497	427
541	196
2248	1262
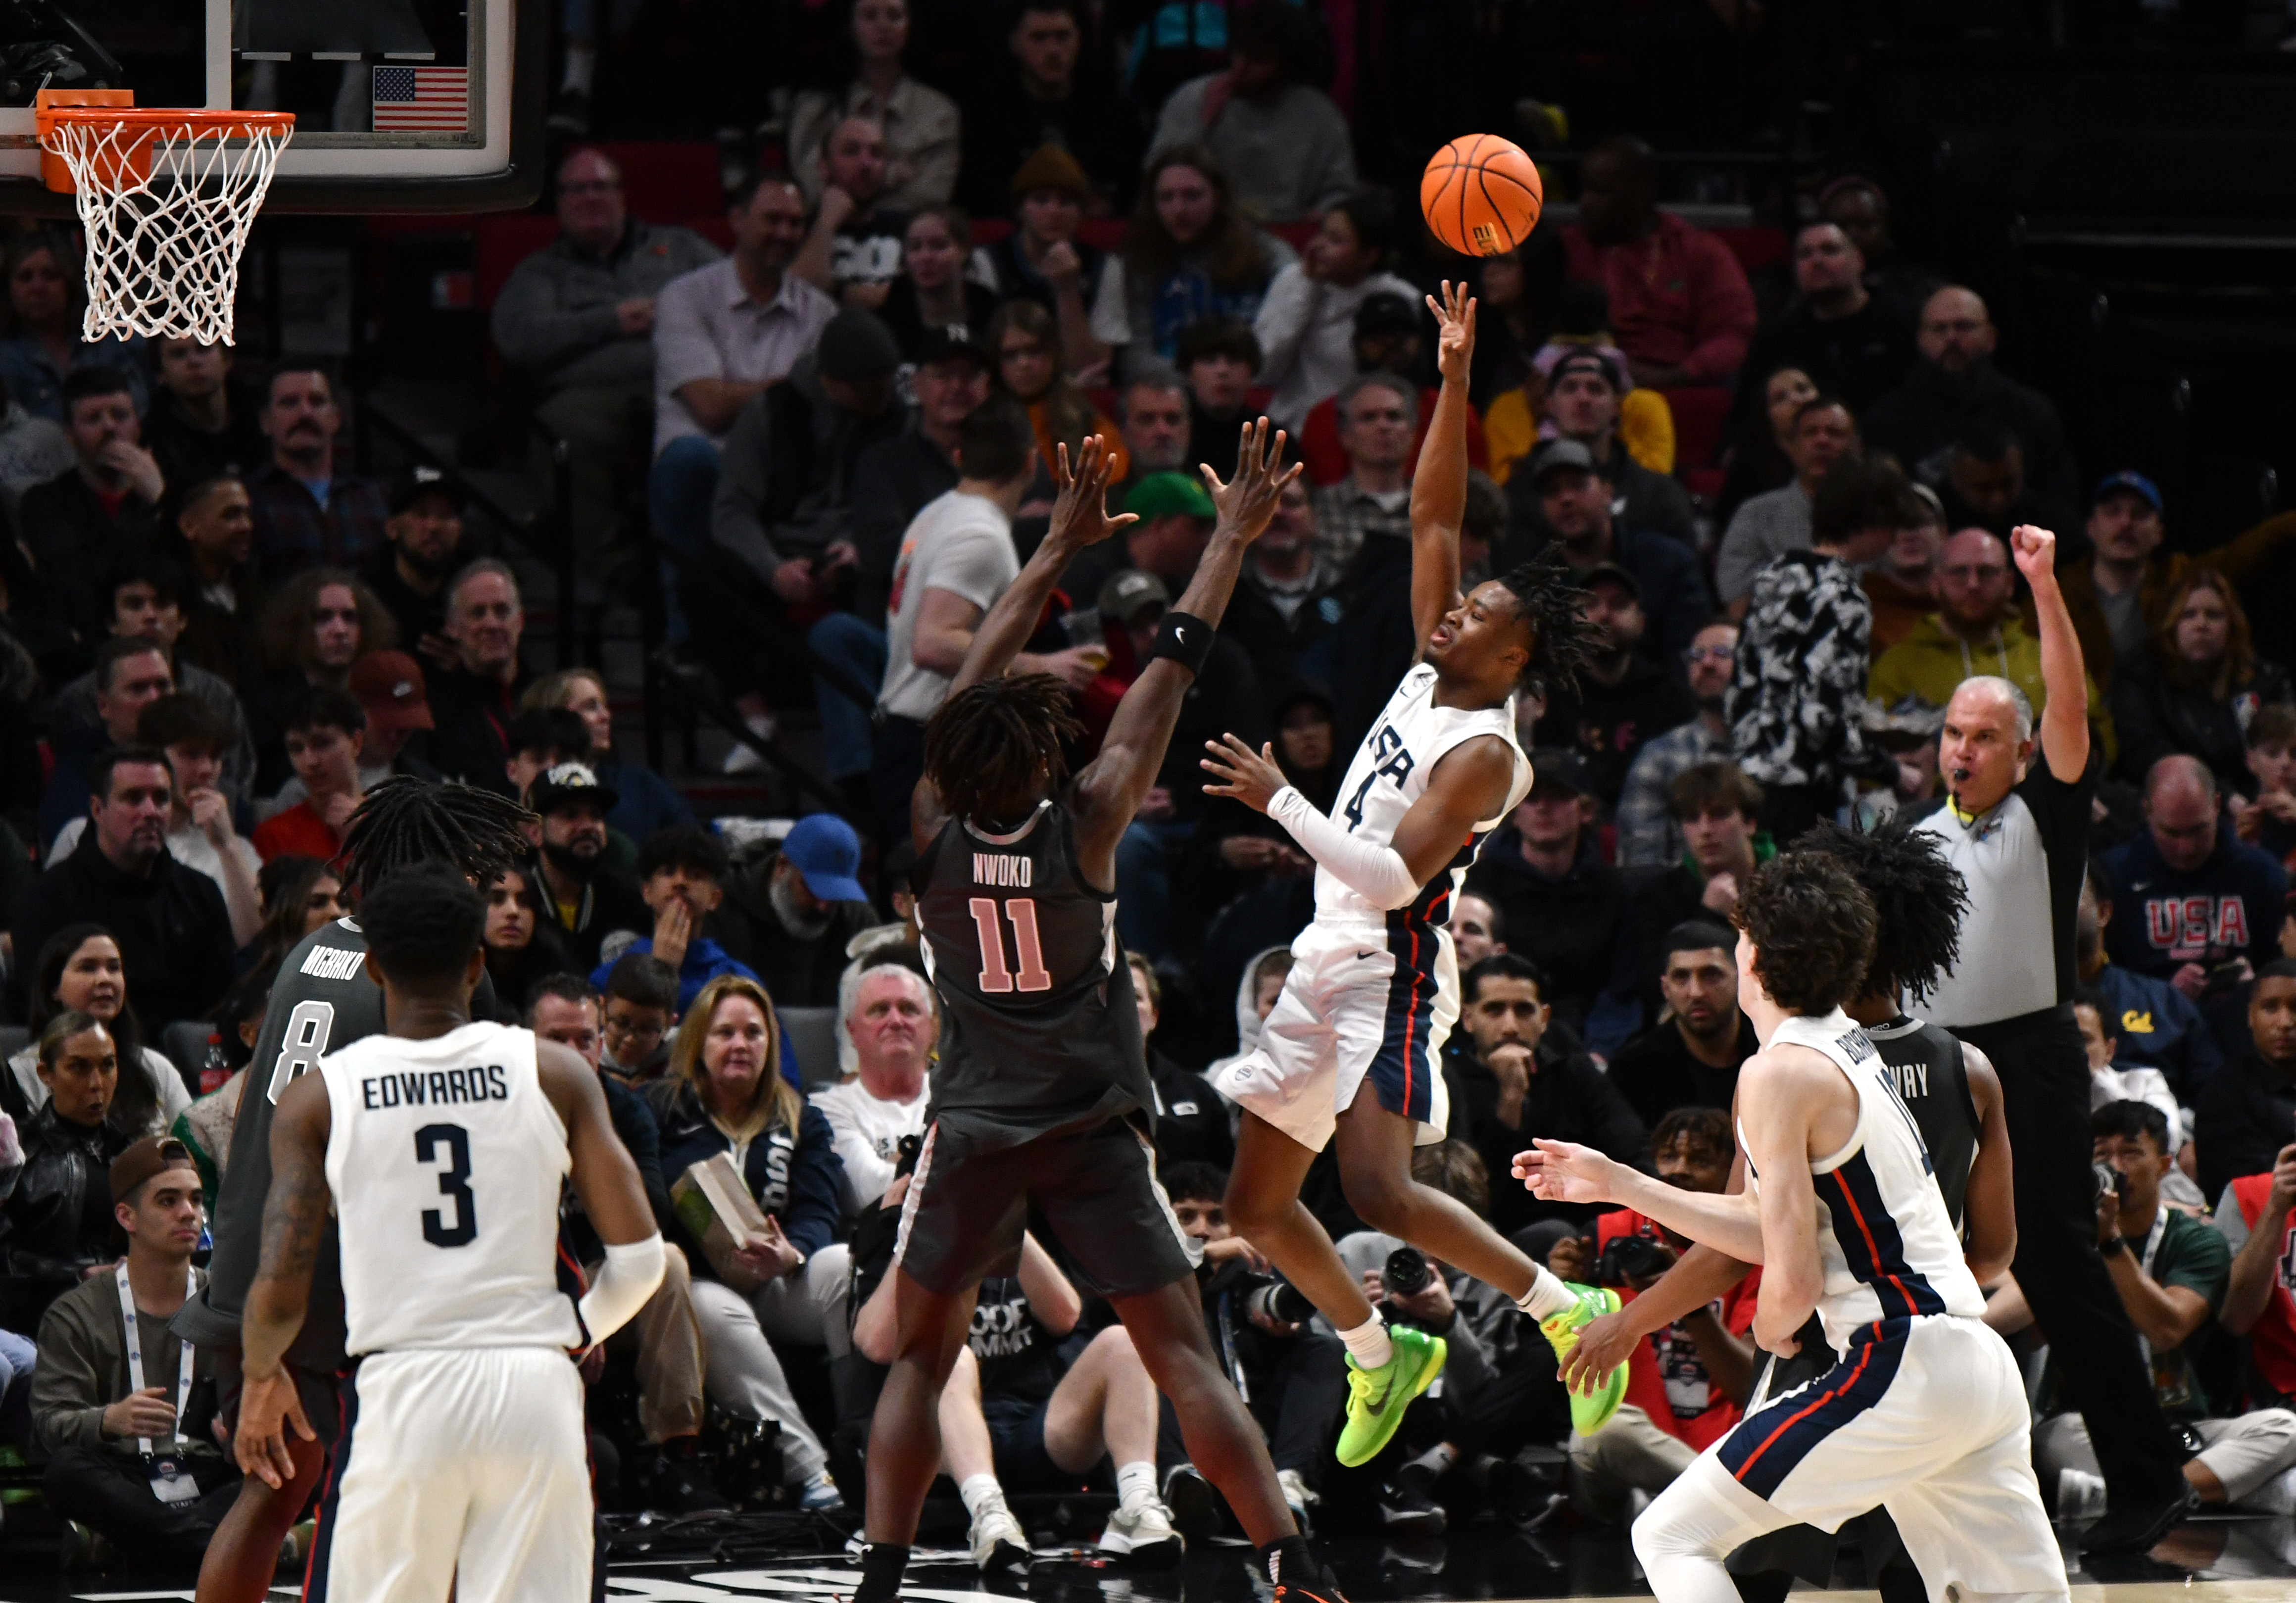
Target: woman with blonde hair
725	1096
2200	687
645	801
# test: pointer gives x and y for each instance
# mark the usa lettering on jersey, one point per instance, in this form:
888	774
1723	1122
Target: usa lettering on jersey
2188	927
437	1088
334	963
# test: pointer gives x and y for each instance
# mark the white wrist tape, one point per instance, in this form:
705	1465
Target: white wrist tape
1377	873
628	1277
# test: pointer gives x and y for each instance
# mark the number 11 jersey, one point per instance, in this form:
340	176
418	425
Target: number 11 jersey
1039	1032
446	1161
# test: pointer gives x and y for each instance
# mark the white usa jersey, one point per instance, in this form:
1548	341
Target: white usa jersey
1887	1246
446	1160
1391	772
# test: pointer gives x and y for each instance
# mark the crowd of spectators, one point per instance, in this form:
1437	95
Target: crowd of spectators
831	447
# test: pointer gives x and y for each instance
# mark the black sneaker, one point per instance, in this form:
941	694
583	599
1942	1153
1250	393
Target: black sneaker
2136	1527
1189	1496
1408	1507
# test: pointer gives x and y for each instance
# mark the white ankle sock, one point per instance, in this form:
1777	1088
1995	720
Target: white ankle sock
1135	1483
1369	1343
1547	1296
980	1492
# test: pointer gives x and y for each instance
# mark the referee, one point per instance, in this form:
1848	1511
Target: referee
2018	830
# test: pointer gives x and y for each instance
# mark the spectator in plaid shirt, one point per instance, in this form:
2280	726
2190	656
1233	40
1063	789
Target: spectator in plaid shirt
1797	698
1648	835
306	512
1379	414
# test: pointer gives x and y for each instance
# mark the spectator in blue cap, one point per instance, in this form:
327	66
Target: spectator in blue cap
2117	593
789	911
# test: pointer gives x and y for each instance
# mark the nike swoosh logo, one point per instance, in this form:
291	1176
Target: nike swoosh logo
1179	634
2140	888
1361	955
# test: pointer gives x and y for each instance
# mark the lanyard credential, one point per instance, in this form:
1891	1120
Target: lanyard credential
135	1353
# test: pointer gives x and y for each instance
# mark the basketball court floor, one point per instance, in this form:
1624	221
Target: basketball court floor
2206	1561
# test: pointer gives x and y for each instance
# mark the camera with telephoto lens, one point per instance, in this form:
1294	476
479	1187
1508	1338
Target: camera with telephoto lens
2104	1181
1407	1272
1277	1300
1626	1259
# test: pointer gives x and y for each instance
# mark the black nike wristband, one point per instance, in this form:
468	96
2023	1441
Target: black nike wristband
1186	640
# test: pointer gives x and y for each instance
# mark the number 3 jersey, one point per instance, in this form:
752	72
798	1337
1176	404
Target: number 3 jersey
446	1160
1389	773
1038	1029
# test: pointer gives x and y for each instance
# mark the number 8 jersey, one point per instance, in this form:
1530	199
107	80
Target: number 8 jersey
446	1160
1038	1029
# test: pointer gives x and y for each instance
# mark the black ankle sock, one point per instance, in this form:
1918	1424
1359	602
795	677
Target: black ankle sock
1288	1561
882	1564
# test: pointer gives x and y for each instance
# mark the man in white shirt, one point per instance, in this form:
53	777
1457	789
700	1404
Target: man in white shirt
955	560
887	1028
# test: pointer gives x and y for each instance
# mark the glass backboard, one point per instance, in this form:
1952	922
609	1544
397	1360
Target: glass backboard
401	105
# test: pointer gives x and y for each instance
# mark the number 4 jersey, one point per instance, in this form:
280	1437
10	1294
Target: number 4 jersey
1391	772
446	1160
1040	1031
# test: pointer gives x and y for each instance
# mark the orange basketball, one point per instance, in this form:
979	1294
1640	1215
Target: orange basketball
1481	194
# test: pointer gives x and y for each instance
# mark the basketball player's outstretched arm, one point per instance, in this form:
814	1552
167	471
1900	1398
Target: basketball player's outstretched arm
1080	518
1110	790
1988	1207
294	1225
613	1194
1469	783
1776	1094
1567	1172
1439	485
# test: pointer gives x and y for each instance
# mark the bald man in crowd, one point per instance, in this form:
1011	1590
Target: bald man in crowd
1954	387
1975	630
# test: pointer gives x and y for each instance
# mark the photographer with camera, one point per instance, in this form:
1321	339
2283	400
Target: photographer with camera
2171	1271
1689	1380
1289	1373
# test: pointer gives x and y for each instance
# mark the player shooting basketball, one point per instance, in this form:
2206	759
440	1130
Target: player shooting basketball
1042	1094
1354	1046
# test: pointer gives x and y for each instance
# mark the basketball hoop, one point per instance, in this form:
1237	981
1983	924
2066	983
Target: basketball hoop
167	196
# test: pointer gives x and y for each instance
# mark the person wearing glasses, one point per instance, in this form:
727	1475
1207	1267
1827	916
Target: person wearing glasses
576	320
1649	834
639	1012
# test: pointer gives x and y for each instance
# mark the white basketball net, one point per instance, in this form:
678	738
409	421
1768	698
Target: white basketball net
163	252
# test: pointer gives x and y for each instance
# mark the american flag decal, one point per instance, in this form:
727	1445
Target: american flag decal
422	99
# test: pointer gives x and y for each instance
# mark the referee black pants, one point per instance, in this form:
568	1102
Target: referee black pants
2044	1085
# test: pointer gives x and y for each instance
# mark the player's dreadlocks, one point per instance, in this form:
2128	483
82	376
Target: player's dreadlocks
1548	598
1919	899
992	744
405	820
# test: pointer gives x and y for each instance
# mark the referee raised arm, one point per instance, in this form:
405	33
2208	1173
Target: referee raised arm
2016	824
